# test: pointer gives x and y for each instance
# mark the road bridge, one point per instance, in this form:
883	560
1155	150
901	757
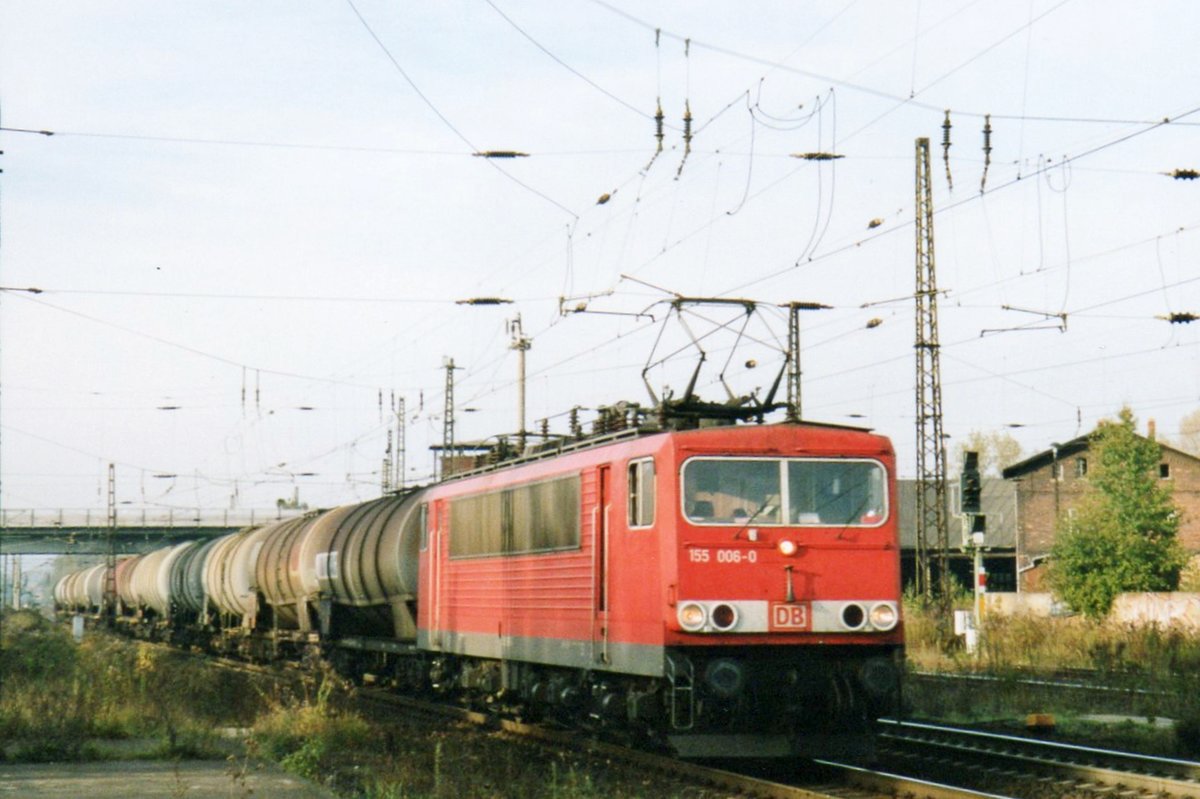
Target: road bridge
84	531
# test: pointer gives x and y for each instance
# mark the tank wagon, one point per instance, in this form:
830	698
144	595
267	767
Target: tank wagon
81	591
732	589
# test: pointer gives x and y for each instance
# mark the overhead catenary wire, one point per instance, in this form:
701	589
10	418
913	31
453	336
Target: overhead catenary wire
948	207
698	163
911	101
445	120
619	100
194	350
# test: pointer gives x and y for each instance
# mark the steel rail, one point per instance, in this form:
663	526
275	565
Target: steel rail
844	781
1037	682
879	785
1106	767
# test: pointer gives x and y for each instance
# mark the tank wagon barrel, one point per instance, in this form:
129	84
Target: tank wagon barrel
187	579
357	556
124	579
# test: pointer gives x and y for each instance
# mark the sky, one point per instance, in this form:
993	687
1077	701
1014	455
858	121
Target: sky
254	223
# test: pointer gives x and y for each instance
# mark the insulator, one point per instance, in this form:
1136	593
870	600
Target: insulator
987	150
687	127
658	126
946	149
687	136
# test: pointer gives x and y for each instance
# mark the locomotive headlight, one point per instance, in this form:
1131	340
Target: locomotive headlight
787	548
883	616
692	616
853	616
724	617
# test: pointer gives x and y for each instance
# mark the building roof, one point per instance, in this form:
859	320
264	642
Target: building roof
1067	450
1046	457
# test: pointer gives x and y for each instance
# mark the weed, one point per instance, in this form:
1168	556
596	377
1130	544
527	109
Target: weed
57	696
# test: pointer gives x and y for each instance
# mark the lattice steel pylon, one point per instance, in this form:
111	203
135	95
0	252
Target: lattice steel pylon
448	420
110	549
401	445
931	449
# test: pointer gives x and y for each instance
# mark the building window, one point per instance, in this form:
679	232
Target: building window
641	493
1056	471
1164	471
1081	467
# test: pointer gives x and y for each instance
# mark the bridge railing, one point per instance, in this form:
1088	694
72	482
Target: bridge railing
17	518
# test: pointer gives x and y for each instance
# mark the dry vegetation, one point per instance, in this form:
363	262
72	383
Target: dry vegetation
59	700
1155	671
109	698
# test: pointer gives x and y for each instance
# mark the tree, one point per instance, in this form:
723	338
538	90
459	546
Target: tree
1189	433
996	449
1123	535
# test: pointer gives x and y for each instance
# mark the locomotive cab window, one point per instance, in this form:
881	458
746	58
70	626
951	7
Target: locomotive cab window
641	493
797	491
729	491
835	492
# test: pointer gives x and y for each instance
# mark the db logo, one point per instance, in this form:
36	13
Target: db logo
789	617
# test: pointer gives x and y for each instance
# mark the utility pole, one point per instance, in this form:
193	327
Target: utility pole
16	582
521	343
448	418
110	558
793	352
398	483
385	470
931	450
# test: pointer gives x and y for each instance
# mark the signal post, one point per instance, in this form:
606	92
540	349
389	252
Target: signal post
974	527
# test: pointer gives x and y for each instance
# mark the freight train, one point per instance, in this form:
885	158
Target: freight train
729	589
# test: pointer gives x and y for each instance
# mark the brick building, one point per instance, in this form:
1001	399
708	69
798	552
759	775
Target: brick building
1052	483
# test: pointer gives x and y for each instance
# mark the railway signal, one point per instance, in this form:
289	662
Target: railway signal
974	526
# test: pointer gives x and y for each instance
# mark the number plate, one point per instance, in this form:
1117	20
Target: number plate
733	556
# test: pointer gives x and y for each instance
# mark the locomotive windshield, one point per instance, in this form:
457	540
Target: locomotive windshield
777	491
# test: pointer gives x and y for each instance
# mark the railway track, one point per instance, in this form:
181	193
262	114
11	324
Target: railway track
1031	767
828	780
949	763
1062	681
835	780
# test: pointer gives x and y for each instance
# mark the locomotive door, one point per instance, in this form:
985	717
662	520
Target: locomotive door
437	522
601	528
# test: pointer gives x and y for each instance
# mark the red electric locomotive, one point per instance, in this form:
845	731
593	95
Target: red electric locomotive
730	590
